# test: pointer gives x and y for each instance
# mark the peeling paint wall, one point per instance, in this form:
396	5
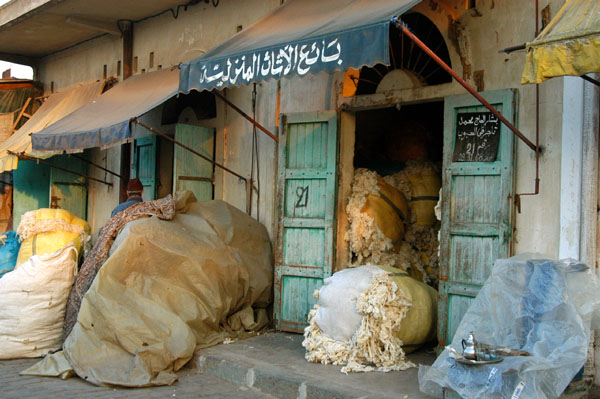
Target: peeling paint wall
102	198
484	30
172	41
494	26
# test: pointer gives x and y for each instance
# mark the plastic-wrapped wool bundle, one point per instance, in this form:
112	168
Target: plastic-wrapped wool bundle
367	317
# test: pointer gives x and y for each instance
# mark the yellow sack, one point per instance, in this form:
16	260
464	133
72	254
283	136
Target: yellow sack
45	231
425	187
419	324
389	210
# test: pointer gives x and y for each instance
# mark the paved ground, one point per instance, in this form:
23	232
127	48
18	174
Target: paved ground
191	384
274	363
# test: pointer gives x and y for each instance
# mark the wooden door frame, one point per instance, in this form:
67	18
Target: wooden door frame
280	268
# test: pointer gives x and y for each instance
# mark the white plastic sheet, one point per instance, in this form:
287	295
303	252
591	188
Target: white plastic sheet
544	307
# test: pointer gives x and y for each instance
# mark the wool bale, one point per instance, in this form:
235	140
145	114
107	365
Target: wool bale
389	210
419	323
425	185
376	212
32	304
44	231
368	317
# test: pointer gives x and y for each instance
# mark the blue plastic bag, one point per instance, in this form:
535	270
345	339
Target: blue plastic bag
8	252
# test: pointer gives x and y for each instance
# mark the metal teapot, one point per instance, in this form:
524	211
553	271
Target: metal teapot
470	347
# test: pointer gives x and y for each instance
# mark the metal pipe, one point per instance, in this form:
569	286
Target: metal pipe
588	79
239	111
464	84
510	49
93	164
536	187
161	134
50	164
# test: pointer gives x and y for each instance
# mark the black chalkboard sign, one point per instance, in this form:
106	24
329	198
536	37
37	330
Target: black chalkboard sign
477	137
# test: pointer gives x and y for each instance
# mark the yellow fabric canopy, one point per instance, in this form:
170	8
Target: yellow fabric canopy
569	45
56	107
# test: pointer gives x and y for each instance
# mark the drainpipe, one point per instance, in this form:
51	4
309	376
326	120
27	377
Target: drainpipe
589	203
571	168
126	28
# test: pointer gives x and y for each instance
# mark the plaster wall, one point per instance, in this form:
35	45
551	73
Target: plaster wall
80	63
202	27
102	198
172	41
493	26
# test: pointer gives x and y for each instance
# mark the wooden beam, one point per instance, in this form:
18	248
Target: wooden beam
20	115
407	96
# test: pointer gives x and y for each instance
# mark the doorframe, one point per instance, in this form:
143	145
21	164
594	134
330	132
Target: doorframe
347	139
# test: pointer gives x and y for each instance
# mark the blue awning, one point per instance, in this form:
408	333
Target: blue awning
105	121
300	37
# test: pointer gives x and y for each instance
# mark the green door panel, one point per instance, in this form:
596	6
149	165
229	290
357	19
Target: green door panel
67	190
306	209
476	211
31	185
191	172
144	165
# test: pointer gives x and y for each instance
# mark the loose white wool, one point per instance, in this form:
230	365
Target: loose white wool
373	346
366	239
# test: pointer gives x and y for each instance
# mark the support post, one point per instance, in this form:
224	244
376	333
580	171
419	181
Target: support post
50	164
247	181
94	164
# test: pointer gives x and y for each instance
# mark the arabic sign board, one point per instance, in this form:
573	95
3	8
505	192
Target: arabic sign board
477	137
339	51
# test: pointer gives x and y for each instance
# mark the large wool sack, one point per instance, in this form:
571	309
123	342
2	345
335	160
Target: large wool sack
420	321
425	185
45	230
389	210
368	317
170	287
32	304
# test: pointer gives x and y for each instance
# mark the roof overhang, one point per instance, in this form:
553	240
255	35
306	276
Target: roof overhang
31	29
105	121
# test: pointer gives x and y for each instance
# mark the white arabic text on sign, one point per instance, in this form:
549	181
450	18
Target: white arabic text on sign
272	63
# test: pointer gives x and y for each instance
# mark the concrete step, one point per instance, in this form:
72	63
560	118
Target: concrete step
274	364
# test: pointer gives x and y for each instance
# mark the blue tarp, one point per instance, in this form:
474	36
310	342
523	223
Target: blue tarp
105	121
300	37
9	251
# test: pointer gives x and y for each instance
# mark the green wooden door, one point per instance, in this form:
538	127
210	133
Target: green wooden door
190	172
144	165
477	201
306	206
31	185
67	190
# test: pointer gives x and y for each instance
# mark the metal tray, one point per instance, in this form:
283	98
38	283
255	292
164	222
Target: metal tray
478	362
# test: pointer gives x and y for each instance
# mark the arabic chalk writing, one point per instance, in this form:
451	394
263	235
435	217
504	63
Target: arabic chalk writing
477	137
